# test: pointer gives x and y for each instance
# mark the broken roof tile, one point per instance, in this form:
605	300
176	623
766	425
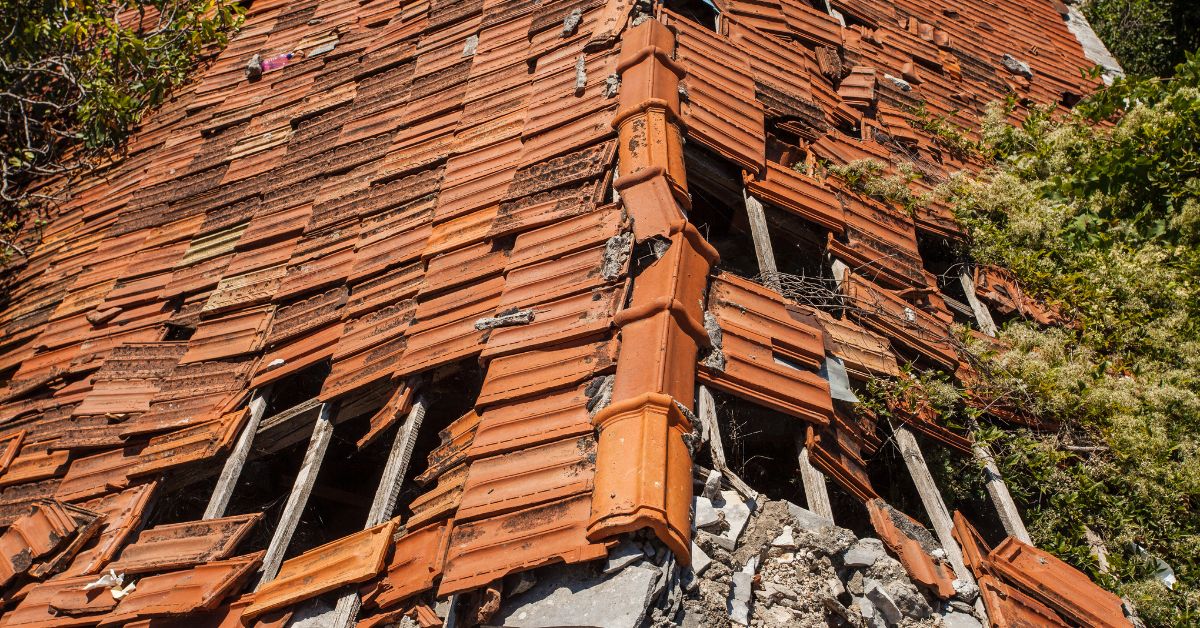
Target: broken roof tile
61	602
414	563
181	593
348	560
439	502
557	322
765	354
47	527
123	514
177	545
799	194
233	334
1060	586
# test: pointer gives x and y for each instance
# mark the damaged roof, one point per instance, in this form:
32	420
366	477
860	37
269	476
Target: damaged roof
408	187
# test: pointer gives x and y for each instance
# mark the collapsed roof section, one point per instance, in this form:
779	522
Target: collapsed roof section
510	223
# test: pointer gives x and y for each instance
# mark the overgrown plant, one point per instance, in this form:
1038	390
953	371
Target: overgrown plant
872	178
945	133
77	75
1148	37
1104	219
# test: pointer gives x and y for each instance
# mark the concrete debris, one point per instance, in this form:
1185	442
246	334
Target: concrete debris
855	584
900	83
864	553
794	563
965	590
785	539
623	555
599	393
580	74
700	560
705	514
254	68
712	485
566	595
509	318
725	517
1015	66
315	613
323	49
739	598
715	358
960	620
469	47
883	602
571	22
808	519
612	84
616	253
659	246
866	610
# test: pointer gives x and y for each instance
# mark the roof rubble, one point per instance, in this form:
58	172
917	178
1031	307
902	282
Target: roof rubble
483	249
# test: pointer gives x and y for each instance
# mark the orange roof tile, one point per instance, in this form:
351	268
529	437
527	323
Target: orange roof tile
348	560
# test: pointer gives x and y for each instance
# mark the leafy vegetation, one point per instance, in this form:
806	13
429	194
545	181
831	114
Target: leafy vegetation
945	133
78	75
1097	210
1148	37
870	177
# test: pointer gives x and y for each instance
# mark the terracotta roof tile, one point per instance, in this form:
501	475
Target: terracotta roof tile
526	477
1060	586
536	372
720	110
348	560
482	551
45	530
61	602
765	353
123	513
200	588
415	561
177	545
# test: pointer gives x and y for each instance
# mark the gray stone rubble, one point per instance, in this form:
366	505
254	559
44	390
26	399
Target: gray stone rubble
769	565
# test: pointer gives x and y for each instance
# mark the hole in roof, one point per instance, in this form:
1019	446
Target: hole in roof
178	332
718	210
761	447
450	395
297	387
799	245
702	12
939	258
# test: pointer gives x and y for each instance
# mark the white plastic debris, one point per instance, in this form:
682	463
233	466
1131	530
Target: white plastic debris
123	591
107	581
276	362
